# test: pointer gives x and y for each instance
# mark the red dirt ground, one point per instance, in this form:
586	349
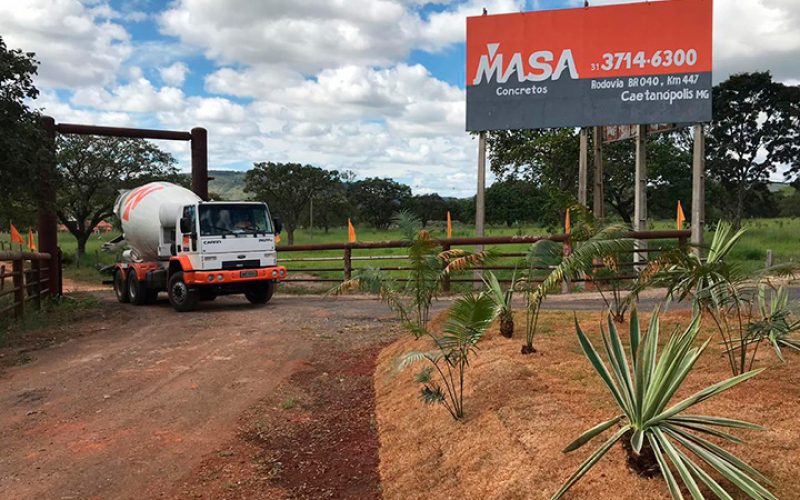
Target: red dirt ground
228	401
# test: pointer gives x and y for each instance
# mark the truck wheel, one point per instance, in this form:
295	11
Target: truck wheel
137	291
120	288
260	293
181	297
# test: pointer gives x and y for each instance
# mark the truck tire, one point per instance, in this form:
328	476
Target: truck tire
137	291
260	293
120	287
181	297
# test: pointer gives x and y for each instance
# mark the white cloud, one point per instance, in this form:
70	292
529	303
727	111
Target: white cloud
174	74
76	44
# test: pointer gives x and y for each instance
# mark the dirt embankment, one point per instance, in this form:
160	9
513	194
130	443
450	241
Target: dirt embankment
523	410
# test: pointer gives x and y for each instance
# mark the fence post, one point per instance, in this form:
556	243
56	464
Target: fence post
770	258
19	287
682	243
2	277
36	267
446	278
348	262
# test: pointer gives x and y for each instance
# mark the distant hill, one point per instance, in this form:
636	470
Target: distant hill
228	184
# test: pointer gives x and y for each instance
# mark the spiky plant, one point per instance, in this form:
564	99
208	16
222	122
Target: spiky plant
661	437
502	302
541	256
467	321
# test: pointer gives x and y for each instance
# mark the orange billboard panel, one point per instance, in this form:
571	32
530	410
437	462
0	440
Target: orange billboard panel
622	64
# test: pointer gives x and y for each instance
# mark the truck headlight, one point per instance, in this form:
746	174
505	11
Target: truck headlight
219	277
210	277
274	273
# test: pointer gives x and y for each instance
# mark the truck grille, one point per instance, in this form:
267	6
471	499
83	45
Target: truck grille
240	264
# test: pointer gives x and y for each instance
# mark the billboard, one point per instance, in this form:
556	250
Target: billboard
620	64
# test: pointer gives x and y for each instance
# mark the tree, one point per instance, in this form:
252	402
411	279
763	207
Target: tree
378	200
428	207
510	201
755	129
92	170
21	153
288	189
331	206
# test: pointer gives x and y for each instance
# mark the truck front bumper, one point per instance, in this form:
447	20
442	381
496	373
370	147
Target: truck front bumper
275	273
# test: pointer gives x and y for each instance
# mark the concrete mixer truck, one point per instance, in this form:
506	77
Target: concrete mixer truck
193	250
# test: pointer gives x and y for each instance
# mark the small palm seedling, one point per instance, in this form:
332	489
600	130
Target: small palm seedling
502	302
775	323
659	437
443	380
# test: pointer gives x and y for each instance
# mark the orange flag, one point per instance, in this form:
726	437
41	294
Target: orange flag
15	236
567	225
351	232
680	218
449	226
31	242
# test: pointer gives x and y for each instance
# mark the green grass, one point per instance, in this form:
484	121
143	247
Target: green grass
782	236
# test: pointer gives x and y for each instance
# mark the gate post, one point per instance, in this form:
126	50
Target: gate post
19	287
199	146
48	227
348	263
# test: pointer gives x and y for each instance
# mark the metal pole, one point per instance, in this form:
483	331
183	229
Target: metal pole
200	162
640	191
698	188
480	198
597	193
583	167
48	223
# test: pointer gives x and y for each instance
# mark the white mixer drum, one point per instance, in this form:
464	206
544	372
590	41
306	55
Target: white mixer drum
140	211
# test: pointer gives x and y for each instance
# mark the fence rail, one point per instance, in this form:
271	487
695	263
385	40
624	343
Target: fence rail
28	283
347	258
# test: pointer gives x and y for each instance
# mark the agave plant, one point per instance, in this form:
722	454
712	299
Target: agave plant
502	302
467	321
658	435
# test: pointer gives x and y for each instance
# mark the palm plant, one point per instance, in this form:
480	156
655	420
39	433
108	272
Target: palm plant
590	243
650	428
467	321
541	256
502	302
775	323
411	298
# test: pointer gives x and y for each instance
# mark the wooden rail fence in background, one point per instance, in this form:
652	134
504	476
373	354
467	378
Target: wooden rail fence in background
23	283
347	258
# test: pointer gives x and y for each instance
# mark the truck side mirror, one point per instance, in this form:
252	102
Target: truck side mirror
276	221
186	225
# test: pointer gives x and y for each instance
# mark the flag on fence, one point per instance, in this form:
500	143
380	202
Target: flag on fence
351	232
680	218
31	242
16	237
449	226
567	224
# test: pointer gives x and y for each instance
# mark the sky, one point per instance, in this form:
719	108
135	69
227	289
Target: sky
372	86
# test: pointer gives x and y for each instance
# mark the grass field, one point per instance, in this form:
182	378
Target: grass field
782	236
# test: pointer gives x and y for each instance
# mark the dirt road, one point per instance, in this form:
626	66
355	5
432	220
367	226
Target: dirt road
140	401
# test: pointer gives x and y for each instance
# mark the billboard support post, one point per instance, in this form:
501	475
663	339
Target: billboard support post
598	197
640	192
698	188
583	167
480	197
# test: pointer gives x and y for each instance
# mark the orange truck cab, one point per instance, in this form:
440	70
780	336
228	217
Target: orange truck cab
194	250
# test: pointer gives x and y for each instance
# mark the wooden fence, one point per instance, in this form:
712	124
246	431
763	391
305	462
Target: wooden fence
331	263
24	278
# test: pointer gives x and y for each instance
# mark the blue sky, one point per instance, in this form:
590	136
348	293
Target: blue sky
373	86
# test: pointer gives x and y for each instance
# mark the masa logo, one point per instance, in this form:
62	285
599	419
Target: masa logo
541	65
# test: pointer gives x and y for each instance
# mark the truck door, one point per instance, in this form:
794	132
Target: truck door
189	240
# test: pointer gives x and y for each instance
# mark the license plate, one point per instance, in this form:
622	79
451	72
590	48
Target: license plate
248	274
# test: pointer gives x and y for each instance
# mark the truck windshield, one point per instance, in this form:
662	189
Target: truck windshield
235	218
